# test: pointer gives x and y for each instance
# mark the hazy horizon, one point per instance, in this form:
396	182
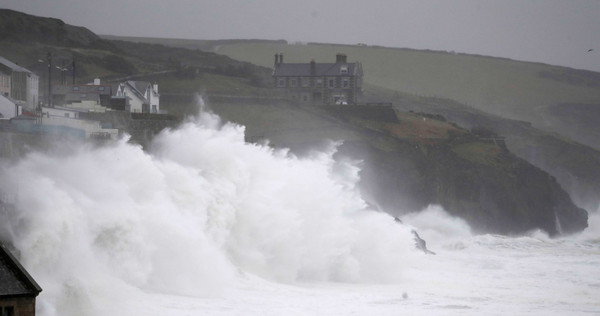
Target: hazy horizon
552	31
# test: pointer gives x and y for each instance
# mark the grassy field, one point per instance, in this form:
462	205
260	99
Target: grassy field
509	88
500	86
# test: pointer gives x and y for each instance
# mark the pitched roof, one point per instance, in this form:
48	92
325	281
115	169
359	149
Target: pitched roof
139	88
14	279
82	88
13	66
13	101
321	69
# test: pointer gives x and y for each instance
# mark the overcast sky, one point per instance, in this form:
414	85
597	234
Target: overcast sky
551	31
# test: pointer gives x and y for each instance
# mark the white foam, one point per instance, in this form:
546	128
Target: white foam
101	228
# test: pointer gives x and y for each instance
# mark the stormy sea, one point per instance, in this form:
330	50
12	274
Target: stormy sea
203	223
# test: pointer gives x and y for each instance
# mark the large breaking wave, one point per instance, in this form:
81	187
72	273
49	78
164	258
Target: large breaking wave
100	226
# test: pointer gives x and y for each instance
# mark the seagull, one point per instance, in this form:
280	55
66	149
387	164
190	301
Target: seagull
589	50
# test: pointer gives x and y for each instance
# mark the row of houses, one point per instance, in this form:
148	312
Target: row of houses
22	108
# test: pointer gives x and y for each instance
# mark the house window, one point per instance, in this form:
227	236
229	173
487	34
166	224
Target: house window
331	83
75	88
83	95
8	311
305	82
281	82
67	115
293	82
319	82
344	69
345	82
100	88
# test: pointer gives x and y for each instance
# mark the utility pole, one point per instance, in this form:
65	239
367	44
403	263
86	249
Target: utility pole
49	56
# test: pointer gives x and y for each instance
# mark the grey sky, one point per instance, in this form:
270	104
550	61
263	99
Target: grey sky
550	31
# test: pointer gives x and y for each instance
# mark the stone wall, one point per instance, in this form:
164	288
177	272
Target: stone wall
21	306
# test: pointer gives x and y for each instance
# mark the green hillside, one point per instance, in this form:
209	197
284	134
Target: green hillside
517	90
555	99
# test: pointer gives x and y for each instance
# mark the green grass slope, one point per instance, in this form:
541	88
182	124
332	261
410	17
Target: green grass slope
508	88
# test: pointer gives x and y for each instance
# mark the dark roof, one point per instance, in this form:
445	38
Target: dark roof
82	88
13	66
321	69
139	88
14	280
82	92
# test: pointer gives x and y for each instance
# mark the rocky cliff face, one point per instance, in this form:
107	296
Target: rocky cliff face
473	177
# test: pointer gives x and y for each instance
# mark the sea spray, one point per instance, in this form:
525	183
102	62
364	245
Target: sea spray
99	227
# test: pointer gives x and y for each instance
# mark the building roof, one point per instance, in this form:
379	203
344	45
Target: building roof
13	101
82	88
14	279
82	92
138	88
321	69
13	66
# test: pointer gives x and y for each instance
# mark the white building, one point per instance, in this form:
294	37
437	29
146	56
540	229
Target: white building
141	96
66	121
24	84
9	108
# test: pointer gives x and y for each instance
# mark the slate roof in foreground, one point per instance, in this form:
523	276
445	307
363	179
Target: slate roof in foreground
14	279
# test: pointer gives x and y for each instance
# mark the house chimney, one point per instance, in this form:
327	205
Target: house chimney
313	67
276	59
97	81
281	58
340	58
155	87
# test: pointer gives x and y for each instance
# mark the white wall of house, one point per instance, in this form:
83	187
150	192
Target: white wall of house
4	83
70	118
33	91
59	112
87	105
134	101
154	98
9	108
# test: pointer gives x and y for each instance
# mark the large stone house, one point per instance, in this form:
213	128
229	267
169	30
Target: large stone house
140	96
319	83
18	289
23	85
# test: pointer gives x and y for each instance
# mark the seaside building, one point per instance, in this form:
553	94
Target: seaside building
139	96
9	108
64	95
319	83
21	84
18	289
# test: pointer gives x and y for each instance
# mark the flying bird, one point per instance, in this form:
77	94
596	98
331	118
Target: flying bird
589	50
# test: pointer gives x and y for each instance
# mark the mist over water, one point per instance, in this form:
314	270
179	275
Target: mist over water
100	228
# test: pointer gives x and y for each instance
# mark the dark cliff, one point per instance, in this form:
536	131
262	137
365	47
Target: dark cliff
419	161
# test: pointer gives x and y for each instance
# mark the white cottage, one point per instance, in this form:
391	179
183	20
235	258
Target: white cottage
141	96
